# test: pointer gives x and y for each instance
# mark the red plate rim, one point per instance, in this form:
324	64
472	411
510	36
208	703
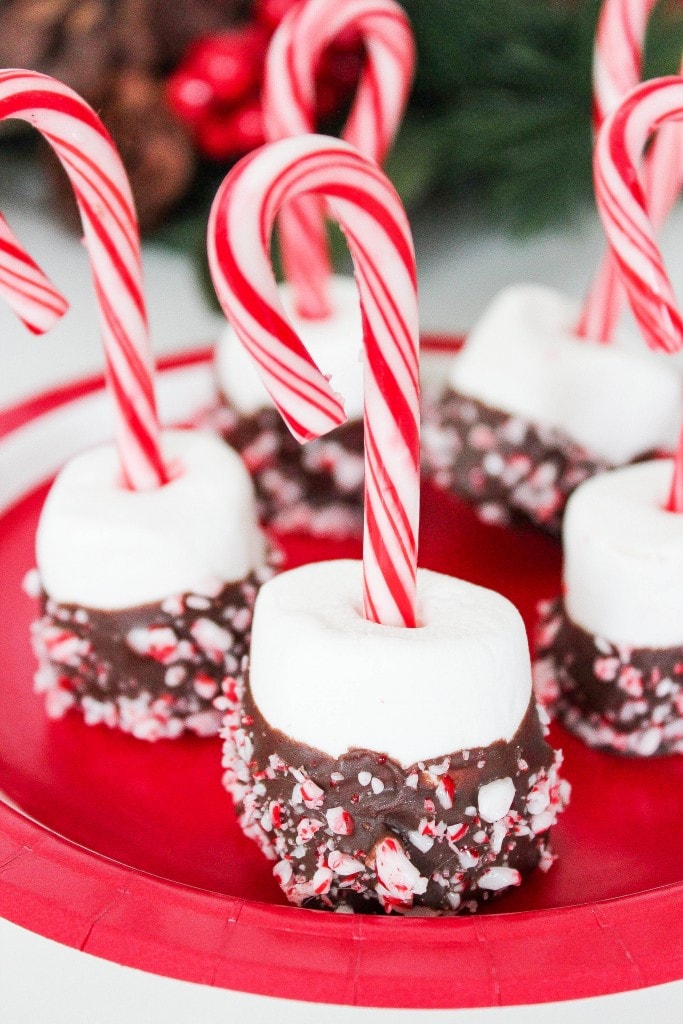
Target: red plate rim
80	898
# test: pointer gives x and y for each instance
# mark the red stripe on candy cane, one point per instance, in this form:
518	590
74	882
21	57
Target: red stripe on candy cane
289	109
617	68
114	203
370	213
287	366
110	227
623	208
618	54
47	94
25	288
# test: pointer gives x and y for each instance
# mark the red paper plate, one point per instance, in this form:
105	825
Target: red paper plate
130	851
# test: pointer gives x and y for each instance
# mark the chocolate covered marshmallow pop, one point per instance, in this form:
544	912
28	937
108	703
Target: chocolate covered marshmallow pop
386	751
610	652
318	488
148	553
538	401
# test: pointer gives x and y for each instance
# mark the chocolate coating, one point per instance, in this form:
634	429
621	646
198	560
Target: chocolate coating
313	488
616	698
153	670
505	465
362	833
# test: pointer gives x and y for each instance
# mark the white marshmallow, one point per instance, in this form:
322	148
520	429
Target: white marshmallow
103	546
325	676
336	345
522	357
623	557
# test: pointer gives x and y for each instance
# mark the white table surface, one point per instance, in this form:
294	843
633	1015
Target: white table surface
461	268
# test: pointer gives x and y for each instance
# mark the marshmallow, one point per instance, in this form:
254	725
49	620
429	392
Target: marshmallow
623	557
335	343
325	676
103	546
523	358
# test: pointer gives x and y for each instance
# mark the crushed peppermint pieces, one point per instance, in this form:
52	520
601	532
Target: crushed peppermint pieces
505	465
495	799
315	489
616	698
152	671
340	821
416	844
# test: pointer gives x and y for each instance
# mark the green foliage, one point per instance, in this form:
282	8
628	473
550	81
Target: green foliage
500	113
500	116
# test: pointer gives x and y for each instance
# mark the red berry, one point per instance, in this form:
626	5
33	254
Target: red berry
231	63
228	134
189	97
271	12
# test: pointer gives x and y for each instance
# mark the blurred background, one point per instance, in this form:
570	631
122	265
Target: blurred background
499	119
493	160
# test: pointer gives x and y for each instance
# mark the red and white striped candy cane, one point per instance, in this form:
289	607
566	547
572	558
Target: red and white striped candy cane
617	67
289	109
369	211
25	288
623	209
110	227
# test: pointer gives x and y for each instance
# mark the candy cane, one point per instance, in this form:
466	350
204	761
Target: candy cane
617	68
110	227
372	217
25	288
289	109
623	209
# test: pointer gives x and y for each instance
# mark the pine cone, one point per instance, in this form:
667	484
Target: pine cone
190	20
156	150
115	53
69	39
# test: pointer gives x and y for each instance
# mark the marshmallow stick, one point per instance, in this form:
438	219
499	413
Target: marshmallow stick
623	208
110	227
368	209
617	68
25	288
289	104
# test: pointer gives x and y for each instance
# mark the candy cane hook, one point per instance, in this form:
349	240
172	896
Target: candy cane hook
623	208
24	286
289	109
617	68
110	228
369	211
